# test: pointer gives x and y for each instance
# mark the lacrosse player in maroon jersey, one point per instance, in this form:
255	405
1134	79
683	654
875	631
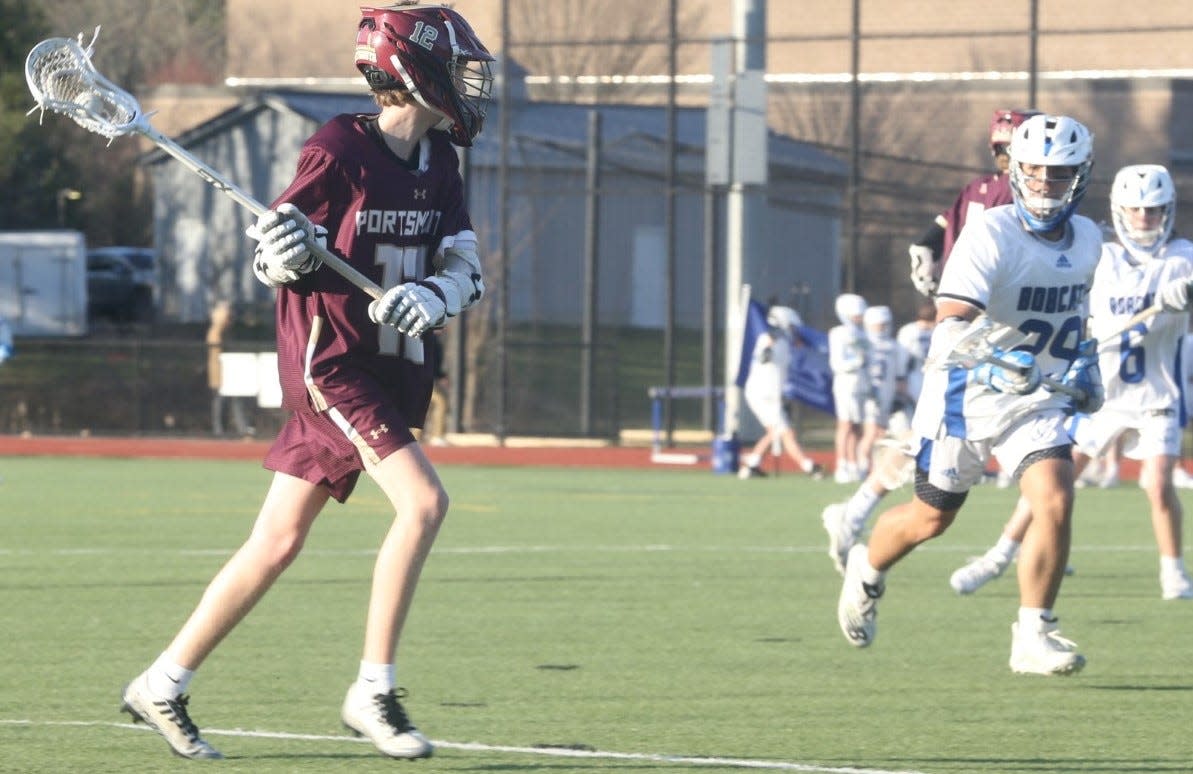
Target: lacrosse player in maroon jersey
929	254
385	192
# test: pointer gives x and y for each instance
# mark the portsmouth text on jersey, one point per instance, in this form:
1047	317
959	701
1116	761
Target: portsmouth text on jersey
1051	299
398	222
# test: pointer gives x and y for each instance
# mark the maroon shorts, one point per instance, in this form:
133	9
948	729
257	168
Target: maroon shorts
330	448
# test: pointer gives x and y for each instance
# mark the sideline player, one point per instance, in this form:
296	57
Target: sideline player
848	357
1027	266
929	254
887	367
764	393
1138	370
353	372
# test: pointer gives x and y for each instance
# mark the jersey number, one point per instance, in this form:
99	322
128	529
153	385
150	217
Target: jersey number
398	265
1055	340
1132	365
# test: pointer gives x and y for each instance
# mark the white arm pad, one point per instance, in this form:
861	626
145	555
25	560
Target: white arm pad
458	273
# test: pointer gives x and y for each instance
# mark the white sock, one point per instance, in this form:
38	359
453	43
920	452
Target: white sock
753	460
168	679
1033	618
861	505
1172	565
1003	551
378	678
870	576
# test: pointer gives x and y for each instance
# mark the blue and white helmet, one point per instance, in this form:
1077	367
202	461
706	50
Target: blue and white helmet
878	320
1050	141
849	308
1135	187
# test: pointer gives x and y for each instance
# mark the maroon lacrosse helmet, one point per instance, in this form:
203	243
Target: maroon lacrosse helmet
431	52
1003	124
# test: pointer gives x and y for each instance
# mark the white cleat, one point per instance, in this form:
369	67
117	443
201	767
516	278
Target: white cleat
840	536
1176	586
381	718
1043	652
169	717
976	573
857	607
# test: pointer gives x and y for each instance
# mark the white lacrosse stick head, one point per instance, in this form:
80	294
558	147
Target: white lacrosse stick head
63	80
976	344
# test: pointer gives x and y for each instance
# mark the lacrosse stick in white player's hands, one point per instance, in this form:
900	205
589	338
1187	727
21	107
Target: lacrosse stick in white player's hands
63	80
977	346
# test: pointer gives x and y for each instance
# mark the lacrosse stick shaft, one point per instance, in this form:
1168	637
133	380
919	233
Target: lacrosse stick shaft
220	183
1139	317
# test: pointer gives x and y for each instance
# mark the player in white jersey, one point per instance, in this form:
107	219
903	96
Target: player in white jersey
893	458
887	367
763	392
1138	368
915	337
848	350
1027	265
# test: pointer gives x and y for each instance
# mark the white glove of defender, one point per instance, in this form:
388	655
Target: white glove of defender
1174	295
923	269
282	256
411	308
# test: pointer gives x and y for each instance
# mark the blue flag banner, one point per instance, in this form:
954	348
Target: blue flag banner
809	379
755	327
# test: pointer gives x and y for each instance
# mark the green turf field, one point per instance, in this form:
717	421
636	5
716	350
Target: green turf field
642	621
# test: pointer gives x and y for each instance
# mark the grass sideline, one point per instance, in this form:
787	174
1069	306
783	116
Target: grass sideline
632	620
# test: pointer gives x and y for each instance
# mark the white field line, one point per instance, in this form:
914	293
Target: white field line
554	752
549	549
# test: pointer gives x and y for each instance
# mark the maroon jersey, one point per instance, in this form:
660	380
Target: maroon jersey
387	221
356	387
980	194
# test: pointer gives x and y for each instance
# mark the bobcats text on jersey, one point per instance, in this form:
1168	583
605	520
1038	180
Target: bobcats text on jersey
1062	298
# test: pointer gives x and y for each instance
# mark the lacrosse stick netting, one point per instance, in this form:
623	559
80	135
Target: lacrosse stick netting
63	80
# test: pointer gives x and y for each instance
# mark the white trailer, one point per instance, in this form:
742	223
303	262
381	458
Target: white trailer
43	282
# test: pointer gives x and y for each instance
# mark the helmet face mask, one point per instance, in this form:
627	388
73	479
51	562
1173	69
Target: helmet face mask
878	321
432	53
1143	208
1051	159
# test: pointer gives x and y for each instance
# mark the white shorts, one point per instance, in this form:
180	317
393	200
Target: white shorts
878	412
770	411
1145	434
956	464
850	406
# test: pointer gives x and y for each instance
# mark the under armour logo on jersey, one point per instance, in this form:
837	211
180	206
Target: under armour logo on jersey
420	193
1063	262
379	431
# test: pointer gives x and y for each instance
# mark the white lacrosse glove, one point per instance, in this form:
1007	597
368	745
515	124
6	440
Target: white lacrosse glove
282	255
1085	375
923	269
1174	295
412	308
1022	378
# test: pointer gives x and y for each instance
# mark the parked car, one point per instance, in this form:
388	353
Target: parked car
122	283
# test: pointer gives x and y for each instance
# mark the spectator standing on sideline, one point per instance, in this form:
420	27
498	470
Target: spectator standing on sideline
1036	248
221	321
929	254
353	373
